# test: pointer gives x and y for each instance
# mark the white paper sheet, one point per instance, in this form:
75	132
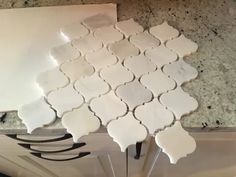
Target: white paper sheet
26	36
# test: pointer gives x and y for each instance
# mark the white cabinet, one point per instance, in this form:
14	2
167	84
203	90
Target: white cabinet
214	156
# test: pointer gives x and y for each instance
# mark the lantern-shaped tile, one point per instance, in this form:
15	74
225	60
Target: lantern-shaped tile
91	87
74	31
154	116
157	82
179	102
87	44
80	122
144	41
108	34
133	94
123	49
101	59
164	32
36	114
65	99
126	131
77	69
97	21
108	107
63	53
139	65
116	75
175	142
51	80
182	46
180	71
129	27
161	55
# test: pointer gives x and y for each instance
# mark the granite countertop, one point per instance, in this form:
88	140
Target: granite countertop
212	24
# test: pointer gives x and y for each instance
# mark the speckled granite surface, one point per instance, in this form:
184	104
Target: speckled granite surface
212	24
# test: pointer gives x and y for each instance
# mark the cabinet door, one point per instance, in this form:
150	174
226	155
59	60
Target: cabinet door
137	162
23	160
88	166
96	164
13	169
213	157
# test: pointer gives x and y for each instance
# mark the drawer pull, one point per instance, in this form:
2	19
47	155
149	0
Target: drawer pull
14	136
74	146
80	155
138	150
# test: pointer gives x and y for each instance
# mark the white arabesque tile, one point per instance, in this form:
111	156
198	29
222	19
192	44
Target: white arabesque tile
80	122
108	107
61	54
180	71
101	58
108	34
164	32
77	68
51	80
157	82
130	83
126	131
123	49
144	41
129	27
74	31
175	142
161	55
65	99
182	46
87	44
36	114
98	21
116	75
133	94
179	102
154	116
91	87
139	65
